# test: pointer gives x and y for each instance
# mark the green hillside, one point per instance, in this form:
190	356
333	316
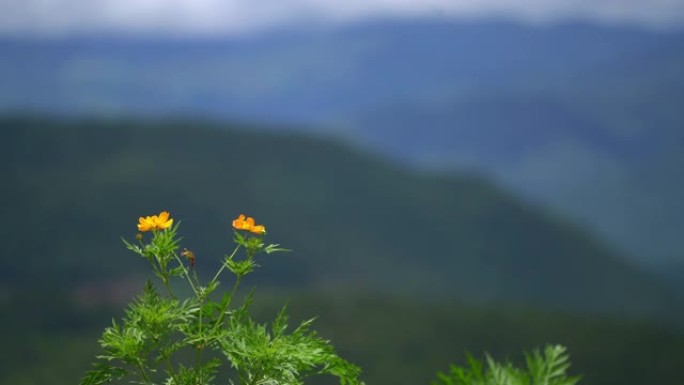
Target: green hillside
583	117
603	144
74	187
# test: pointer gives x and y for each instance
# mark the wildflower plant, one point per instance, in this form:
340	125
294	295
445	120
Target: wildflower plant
200	340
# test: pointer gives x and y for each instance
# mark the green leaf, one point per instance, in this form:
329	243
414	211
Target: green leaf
102	374
273	248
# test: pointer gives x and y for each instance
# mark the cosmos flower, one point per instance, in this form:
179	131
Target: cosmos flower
247	223
155	222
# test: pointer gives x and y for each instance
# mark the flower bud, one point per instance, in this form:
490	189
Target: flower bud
190	256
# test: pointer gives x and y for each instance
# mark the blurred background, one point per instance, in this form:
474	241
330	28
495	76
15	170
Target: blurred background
453	176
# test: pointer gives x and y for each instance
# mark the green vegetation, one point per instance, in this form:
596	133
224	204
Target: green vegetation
432	265
542	369
147	345
394	340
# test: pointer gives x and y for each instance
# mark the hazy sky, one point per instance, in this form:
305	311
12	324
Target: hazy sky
231	16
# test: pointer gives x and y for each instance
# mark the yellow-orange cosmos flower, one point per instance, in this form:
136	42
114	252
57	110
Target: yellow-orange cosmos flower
247	223
155	222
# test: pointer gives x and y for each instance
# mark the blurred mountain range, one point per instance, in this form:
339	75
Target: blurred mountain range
584	119
356	222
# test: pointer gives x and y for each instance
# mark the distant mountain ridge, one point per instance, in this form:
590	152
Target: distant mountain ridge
73	187
585	119
303	71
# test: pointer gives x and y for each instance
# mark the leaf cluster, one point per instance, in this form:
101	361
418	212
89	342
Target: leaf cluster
269	355
547	368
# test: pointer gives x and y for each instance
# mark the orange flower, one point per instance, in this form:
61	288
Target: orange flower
155	222
247	223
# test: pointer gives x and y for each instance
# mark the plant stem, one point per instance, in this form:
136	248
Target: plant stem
187	275
198	355
165	279
223	266
169	367
143	374
256	377
225	307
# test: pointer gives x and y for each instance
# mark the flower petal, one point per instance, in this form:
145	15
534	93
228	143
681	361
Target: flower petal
145	224
239	222
165	225
144	227
163	216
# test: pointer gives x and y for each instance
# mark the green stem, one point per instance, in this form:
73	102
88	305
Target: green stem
198	355
256	377
165	279
196	277
169	368
232	255
187	275
225	307
242	378
142	372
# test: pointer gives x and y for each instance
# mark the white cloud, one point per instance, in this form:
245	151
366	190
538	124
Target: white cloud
233	16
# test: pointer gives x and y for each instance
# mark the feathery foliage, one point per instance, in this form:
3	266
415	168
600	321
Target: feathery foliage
200	341
547	368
